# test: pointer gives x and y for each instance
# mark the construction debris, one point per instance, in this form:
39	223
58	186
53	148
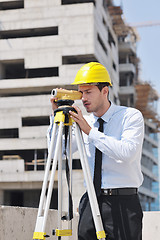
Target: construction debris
145	99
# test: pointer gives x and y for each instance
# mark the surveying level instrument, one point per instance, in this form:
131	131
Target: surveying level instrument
66	94
63	126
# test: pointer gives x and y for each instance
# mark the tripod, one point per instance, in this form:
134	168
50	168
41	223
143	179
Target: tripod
63	121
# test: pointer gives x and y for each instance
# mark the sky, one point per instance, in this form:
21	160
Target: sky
148	47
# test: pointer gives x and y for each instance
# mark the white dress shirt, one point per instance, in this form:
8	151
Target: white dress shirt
120	144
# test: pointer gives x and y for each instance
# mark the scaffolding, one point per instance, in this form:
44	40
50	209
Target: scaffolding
119	26
146	101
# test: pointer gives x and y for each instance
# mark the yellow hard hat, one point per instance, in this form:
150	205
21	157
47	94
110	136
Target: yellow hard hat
92	73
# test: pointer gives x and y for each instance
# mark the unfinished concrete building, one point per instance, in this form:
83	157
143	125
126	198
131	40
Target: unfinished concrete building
42	46
146	102
135	93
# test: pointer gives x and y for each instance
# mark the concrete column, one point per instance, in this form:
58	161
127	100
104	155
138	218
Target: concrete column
127	58
128	80
35	160
1	71
1	197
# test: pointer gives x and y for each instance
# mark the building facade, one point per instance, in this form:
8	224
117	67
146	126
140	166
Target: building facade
42	46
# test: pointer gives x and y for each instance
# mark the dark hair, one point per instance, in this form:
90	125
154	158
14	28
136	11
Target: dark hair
102	85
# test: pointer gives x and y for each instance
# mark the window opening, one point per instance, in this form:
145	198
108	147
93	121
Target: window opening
30	32
75	59
102	44
16	70
114	66
9	5
110	38
9	133
65	2
35	121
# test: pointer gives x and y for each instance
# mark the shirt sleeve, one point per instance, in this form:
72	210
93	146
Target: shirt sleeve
130	141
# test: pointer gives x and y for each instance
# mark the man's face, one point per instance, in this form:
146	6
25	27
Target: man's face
92	98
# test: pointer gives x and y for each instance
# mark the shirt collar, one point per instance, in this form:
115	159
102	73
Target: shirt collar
108	114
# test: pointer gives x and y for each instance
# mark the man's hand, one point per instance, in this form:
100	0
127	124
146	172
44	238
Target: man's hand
78	118
53	102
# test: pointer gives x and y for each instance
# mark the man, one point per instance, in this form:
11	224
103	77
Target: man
119	148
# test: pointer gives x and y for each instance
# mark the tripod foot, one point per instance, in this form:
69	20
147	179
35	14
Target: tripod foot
101	234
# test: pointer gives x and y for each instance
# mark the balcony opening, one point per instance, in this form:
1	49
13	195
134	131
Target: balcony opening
65	2
126	79
127	100
104	22
123	82
9	133
114	66
34	159
34	92
127	58
105	4
42	72
28	198
16	198
110	38
35	121
15	70
76	59
122	59
9	5
102	44
30	32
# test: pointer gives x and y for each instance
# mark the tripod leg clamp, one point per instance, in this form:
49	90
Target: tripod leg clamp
101	234
61	117
39	235
65	232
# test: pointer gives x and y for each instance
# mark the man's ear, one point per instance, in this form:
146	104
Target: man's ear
105	90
